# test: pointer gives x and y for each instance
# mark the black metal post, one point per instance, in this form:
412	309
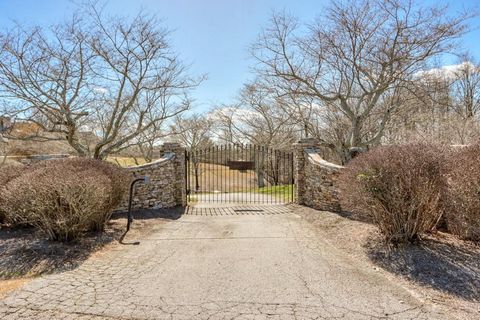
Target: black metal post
130	198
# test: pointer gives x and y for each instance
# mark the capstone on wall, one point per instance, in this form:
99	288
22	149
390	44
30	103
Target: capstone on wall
167	181
316	178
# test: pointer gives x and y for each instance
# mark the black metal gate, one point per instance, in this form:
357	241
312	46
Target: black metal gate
240	174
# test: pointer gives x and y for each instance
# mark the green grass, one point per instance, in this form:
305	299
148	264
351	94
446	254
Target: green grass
283	191
192	199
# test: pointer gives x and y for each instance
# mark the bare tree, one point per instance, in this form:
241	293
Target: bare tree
256	118
115	77
466	89
224	123
3	148
354	58
260	118
5	128
194	132
441	106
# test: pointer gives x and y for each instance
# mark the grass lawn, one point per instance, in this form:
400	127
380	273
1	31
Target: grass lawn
192	199
283	191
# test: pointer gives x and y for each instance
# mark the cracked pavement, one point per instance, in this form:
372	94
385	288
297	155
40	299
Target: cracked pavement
268	264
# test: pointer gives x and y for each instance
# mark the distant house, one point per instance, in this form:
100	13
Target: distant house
5	123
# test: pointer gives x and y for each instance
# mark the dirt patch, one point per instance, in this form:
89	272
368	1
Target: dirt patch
9	285
441	269
213	177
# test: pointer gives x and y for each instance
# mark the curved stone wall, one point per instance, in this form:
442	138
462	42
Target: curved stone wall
321	191
167	181
316	178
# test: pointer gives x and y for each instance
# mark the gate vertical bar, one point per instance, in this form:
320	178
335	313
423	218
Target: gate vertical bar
250	180
205	176
265	174
286	170
238	147
186	175
292	177
257	169
278	165
282	162
225	168
229	170
255	166
271	170
265	169
240	157
257	153
285	177
209	173
216	174
202	174
245	175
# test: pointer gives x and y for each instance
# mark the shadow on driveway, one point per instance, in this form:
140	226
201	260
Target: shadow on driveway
147	214
25	252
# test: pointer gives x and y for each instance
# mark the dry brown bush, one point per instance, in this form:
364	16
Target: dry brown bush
118	181
7	173
10	171
462	192
397	187
64	198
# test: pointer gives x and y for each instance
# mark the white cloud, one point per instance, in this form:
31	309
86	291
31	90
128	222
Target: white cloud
448	71
100	90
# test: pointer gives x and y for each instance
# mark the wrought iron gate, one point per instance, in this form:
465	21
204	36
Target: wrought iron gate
239	173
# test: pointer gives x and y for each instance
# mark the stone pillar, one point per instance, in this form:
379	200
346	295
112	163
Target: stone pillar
179	168
299	165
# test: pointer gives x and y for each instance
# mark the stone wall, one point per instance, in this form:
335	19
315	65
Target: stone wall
316	178
167	181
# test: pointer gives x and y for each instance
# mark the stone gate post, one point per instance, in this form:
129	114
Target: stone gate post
179	168
299	166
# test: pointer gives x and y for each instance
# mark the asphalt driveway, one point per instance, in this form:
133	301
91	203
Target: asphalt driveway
234	263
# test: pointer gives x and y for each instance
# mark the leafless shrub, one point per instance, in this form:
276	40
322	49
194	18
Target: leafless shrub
118	181
10	171
7	173
462	192
398	187
64	198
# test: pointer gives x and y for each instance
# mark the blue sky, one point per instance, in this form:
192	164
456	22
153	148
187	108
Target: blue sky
212	35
